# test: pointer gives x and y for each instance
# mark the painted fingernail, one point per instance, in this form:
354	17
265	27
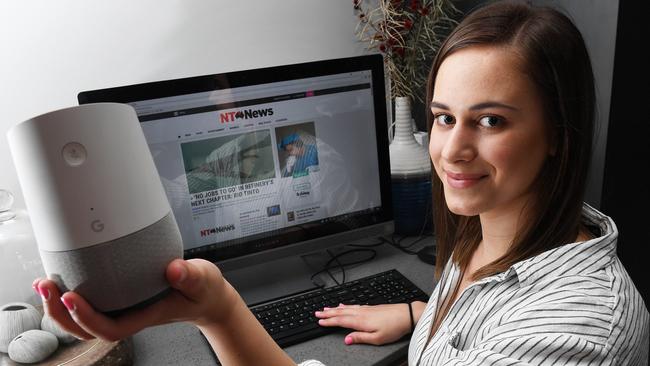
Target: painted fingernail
45	293
348	340
68	304
182	275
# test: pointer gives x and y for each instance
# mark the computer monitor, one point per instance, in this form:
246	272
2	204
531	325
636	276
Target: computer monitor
269	163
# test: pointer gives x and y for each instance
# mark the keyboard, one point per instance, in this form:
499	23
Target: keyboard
291	320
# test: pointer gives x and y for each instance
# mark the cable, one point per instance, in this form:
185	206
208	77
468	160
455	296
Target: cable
396	242
342	265
381	242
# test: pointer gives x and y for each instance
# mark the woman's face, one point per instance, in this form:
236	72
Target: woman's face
489	138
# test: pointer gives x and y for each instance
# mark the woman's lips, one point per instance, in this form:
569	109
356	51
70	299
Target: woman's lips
461	180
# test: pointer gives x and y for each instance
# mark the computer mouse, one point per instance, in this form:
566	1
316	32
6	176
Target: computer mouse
427	254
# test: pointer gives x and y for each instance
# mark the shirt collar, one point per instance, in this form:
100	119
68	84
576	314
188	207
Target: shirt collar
592	255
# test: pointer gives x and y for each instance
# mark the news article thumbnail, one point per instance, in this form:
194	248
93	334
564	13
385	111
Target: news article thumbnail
228	160
297	150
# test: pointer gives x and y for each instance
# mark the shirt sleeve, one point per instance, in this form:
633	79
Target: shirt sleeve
311	363
544	349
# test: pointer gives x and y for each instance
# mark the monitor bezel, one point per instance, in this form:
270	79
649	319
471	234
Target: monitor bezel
382	220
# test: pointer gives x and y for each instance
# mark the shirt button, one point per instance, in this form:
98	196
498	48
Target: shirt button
453	339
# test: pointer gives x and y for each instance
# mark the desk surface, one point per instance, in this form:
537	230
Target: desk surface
181	343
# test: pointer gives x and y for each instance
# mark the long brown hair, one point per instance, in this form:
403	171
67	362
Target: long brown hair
555	58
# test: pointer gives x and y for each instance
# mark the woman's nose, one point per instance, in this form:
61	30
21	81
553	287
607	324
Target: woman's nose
460	144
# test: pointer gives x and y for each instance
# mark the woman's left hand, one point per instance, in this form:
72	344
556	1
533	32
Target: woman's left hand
373	324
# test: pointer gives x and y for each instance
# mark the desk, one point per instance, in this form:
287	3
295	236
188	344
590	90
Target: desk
181	343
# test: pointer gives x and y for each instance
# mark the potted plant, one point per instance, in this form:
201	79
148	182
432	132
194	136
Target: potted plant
408	34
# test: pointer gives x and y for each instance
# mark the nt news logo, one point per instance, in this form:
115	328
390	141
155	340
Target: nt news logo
244	114
215	230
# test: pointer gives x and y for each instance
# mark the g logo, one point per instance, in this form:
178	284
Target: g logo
97	226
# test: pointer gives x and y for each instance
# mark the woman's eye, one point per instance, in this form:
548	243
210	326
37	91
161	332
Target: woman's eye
444	119
490	121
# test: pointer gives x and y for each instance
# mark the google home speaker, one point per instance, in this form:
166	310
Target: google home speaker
99	212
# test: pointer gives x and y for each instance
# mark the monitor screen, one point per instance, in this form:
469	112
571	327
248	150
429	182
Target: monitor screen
269	162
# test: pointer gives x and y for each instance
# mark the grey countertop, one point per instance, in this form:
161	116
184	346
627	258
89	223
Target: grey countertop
182	344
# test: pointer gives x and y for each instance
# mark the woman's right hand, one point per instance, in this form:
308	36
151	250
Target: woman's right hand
373	324
200	295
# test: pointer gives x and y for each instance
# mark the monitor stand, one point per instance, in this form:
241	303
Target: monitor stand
271	280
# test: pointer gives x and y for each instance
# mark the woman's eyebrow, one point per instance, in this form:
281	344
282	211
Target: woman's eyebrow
490	104
438	105
476	107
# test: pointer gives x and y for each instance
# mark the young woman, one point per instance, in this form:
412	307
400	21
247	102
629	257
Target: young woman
528	274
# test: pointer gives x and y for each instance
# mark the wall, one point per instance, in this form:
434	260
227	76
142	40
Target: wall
597	21
54	49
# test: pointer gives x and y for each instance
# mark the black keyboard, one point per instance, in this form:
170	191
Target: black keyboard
291	320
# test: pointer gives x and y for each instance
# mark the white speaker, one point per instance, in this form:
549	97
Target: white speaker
100	216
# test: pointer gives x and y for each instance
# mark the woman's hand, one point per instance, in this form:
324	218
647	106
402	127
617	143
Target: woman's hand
200	296
378	324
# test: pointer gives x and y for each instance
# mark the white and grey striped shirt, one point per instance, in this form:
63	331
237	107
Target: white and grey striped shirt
572	305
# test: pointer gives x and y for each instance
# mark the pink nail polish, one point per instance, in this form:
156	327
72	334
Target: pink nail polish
348	340
68	304
45	293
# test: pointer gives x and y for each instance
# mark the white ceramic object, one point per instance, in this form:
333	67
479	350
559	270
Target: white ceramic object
407	157
49	325
17	318
33	346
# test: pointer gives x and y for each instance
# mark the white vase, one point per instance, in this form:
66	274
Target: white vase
410	167
407	157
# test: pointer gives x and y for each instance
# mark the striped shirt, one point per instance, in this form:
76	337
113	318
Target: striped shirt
572	305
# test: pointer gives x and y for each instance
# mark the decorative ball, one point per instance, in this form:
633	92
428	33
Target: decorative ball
33	346
48	324
16	318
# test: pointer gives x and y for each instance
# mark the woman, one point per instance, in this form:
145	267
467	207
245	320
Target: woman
527	274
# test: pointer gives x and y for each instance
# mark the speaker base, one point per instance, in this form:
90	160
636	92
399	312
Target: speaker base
116	275
140	305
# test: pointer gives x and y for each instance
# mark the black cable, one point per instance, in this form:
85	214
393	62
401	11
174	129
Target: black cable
404	248
340	266
381	242
327	267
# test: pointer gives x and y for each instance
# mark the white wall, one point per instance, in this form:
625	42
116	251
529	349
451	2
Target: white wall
51	50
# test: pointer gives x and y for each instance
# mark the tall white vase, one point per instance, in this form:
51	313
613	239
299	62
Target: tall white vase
410	167
407	157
